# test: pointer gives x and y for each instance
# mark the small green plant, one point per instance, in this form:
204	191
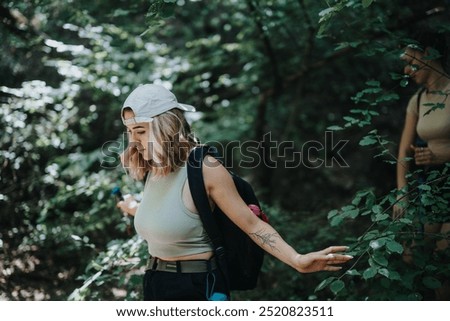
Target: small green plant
379	269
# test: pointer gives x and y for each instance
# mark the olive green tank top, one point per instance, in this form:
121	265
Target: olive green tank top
163	220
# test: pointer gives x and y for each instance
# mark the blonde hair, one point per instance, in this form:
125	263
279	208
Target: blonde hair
173	134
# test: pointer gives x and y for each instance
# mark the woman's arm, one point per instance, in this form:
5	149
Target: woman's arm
404	150
221	189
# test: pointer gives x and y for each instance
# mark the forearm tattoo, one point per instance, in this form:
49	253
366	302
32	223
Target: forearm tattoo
266	239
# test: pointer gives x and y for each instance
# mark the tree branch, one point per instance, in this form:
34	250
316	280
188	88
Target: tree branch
277	82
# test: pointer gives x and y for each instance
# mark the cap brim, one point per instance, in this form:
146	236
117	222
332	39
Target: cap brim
186	107
135	120
141	119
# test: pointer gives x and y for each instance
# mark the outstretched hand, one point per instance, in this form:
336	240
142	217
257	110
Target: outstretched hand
324	260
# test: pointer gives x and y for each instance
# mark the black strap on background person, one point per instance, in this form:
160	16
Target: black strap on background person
201	201
419	141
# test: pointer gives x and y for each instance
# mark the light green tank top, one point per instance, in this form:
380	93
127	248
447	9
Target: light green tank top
163	220
433	126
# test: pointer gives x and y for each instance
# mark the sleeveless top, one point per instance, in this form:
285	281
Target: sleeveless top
163	220
434	126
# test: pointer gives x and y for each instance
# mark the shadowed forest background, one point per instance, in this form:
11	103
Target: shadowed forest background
301	72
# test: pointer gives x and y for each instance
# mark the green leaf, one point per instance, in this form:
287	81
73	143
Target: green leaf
431	282
325	13
337	286
380	259
373	83
366	3
376	244
353	213
384	272
332	213
425	187
427	199
353	273
431	268
335	128
405	220
76	237
336	220
367	140
377	209
350	119
324	283
359	196
120	13
381	217
394	246
371	235
370	273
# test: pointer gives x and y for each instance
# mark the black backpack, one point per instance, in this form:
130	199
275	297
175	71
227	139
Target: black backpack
239	258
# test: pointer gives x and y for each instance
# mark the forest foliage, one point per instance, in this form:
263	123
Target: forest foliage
314	89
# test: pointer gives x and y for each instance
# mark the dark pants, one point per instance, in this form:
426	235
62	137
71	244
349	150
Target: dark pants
177	286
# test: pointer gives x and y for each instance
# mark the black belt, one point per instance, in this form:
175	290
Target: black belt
188	266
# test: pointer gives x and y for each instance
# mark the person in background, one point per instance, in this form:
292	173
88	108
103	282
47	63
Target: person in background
426	133
182	264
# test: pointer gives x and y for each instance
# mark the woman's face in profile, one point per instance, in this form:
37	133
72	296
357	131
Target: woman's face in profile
415	67
141	137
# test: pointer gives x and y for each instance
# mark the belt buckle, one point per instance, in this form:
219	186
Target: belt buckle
170	266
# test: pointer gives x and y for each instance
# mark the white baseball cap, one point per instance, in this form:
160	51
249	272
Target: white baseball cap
148	101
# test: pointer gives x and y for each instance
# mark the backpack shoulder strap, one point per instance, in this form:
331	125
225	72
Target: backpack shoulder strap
200	196
419	141
419	94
